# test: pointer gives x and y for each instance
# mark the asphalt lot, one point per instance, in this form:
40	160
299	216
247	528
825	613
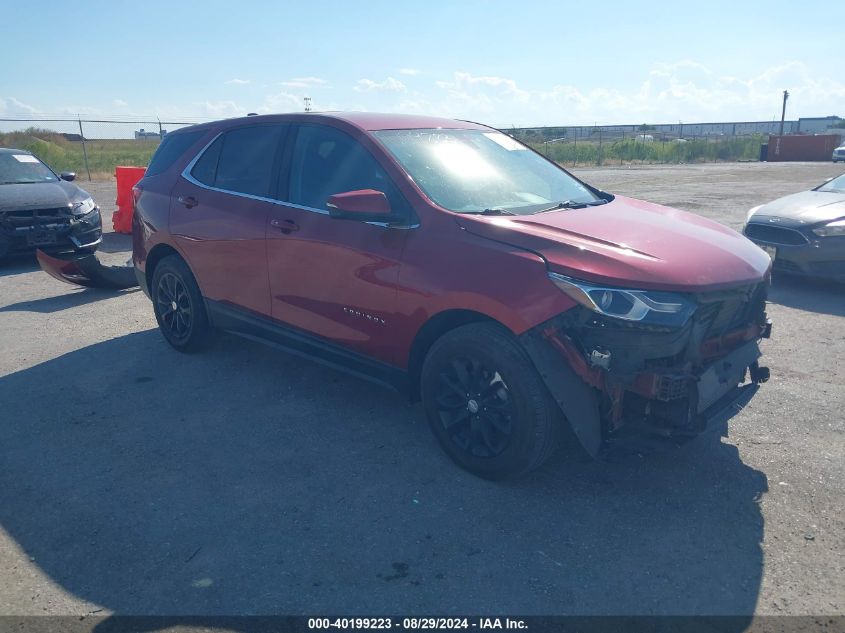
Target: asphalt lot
136	480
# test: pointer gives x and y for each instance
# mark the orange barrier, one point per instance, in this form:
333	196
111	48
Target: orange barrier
126	178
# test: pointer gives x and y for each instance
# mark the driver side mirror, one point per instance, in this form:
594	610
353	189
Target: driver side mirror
68	175
364	205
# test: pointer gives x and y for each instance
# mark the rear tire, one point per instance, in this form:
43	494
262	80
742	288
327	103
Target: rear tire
179	306
486	403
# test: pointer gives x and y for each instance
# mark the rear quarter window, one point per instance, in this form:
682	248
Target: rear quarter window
171	148
205	169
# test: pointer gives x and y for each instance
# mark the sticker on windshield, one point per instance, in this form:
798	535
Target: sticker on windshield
25	158
504	140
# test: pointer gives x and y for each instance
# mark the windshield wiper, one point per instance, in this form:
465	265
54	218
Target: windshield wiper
490	212
569	204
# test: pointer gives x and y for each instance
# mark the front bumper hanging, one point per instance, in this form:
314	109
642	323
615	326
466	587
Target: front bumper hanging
671	384
86	270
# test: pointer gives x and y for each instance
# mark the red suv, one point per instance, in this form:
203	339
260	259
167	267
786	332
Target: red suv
450	261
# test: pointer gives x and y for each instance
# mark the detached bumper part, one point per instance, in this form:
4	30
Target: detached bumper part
87	271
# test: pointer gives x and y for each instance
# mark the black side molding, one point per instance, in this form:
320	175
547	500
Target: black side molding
264	330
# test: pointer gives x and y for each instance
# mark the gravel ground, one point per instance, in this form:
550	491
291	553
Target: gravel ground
136	480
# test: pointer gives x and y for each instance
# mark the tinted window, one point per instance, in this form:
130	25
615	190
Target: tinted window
246	159
327	161
206	167
171	148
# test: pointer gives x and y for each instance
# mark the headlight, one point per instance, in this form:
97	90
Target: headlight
751	212
833	229
84	207
646	306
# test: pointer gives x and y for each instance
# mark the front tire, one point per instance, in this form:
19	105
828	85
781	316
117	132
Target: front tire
486	403
179	307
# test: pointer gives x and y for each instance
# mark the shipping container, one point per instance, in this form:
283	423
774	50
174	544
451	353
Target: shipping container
802	147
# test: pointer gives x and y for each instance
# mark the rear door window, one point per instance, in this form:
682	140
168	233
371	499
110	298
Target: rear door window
247	158
327	161
169	151
243	160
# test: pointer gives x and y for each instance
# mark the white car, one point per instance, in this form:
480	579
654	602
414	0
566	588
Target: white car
839	154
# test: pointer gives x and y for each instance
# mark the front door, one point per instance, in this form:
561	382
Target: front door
219	213
330	277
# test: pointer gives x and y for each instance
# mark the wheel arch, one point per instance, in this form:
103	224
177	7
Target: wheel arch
159	252
438	325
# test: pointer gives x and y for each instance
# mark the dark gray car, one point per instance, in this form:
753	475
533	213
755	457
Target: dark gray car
39	209
804	233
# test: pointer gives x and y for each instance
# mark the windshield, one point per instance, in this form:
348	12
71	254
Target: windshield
18	169
837	185
478	171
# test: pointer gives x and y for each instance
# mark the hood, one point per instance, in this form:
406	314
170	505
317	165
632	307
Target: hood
633	244
39	195
807	207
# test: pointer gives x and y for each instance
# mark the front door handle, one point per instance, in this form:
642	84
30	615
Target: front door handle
188	201
285	226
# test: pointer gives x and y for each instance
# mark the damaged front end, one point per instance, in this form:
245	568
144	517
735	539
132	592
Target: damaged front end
72	226
659	364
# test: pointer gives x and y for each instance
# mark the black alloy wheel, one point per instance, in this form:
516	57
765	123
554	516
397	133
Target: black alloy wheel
486	403
475	407
178	305
174	306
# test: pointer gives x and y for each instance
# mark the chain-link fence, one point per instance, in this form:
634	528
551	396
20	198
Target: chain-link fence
90	147
649	148
94	147
643	144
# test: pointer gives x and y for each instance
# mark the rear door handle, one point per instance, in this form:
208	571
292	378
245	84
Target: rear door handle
188	201
285	226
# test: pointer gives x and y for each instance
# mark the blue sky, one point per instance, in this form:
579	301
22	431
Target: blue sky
502	63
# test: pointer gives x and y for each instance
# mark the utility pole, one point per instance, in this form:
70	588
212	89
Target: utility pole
84	149
783	112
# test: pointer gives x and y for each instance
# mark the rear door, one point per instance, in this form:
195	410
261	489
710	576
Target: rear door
330	277
219	213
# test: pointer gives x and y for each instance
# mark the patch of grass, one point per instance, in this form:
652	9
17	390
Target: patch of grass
104	155
631	150
64	155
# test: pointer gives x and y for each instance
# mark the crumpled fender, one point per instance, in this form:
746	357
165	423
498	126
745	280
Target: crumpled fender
86	270
576	399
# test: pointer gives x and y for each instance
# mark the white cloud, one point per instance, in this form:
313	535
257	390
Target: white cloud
462	82
220	109
683	90
409	71
281	102
237	82
678	90
388	85
304	82
11	106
